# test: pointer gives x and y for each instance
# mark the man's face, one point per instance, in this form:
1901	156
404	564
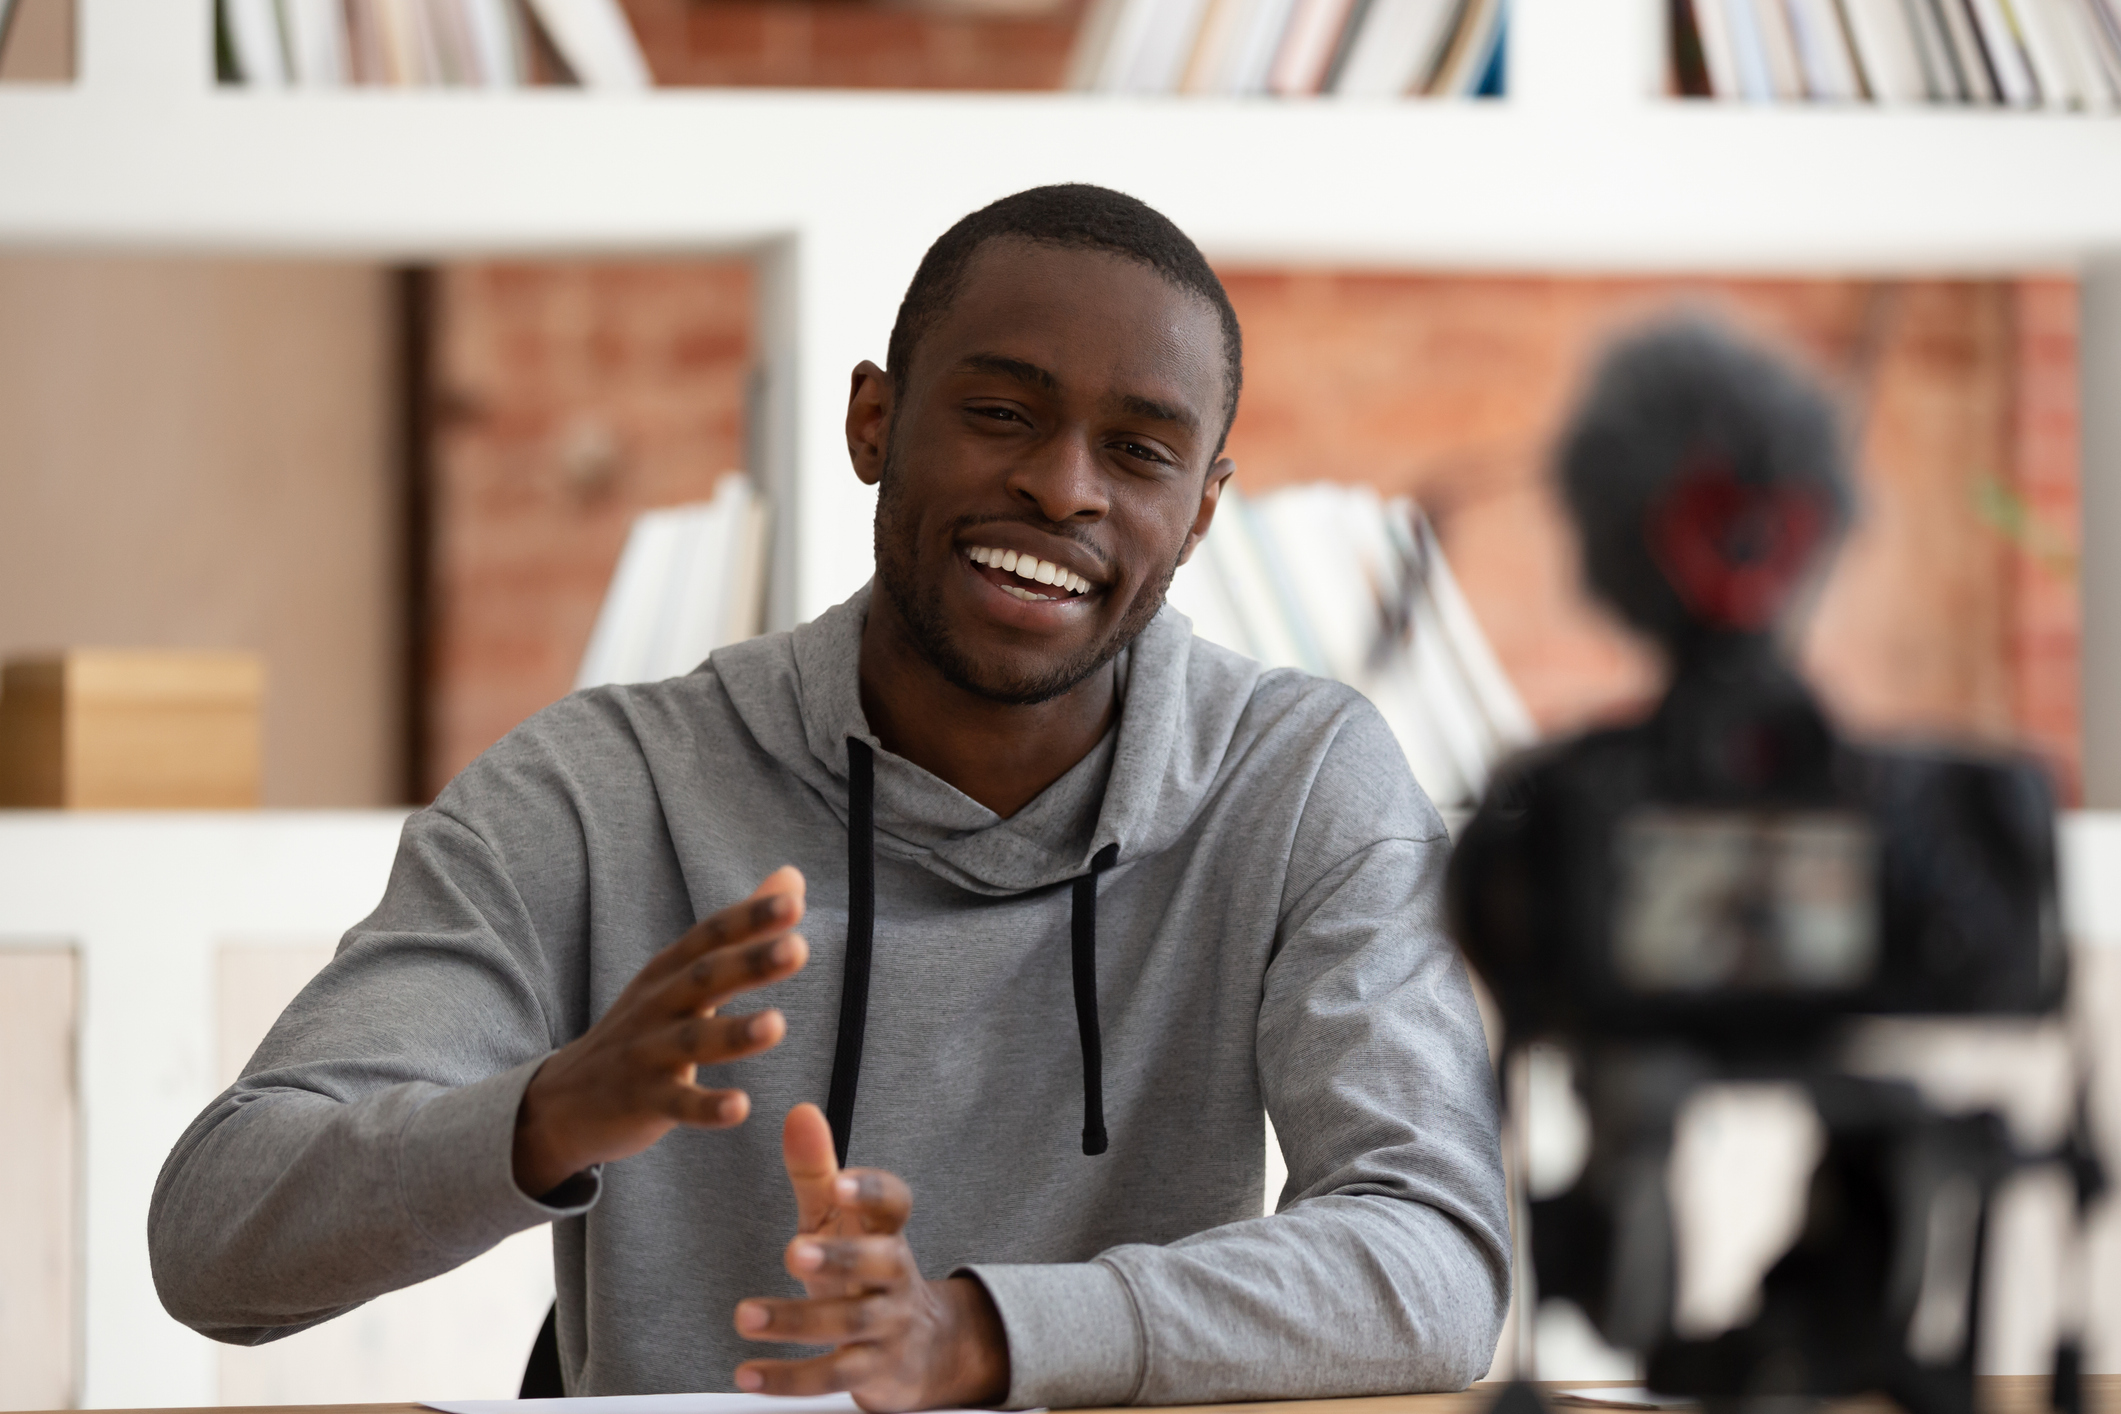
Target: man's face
1048	466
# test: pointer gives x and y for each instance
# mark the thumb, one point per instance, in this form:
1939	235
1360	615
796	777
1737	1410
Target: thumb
806	1149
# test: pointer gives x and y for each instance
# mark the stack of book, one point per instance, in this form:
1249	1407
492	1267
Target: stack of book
422	43
1332	580
2018	53
690	579
1345	48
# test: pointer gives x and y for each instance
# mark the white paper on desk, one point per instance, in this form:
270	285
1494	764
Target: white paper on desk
1624	1397
653	1404
662	1404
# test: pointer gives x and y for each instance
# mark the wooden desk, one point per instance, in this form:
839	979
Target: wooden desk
2001	1394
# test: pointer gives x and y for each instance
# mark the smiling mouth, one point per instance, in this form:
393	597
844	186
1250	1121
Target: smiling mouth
1039	581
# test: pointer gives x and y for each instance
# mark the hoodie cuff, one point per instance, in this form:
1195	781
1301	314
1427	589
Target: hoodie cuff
1075	1339
456	1167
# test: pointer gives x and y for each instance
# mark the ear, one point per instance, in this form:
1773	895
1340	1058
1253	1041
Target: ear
1211	492
868	421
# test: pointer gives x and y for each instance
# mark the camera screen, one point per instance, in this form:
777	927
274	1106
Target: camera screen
1745	901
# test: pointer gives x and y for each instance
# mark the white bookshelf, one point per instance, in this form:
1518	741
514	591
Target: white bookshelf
1584	168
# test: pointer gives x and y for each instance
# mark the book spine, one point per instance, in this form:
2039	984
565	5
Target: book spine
1690	64
1756	81
2007	61
1713	25
2028	20
1976	75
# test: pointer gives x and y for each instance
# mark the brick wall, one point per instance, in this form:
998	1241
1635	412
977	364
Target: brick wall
1953	607
856	43
571	397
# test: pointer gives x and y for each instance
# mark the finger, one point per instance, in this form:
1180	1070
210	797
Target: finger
806	1150
843	1369
713	978
711	1040
702	1108
880	1200
774	907
821	1321
872	1262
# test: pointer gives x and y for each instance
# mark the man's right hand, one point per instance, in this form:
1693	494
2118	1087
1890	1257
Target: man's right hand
628	1080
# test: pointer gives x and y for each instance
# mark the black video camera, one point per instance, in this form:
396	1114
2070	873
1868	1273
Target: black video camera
1716	892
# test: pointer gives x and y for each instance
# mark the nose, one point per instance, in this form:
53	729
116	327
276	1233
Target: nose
1063	481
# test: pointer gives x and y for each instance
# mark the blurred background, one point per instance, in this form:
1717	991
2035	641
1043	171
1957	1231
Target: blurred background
338	507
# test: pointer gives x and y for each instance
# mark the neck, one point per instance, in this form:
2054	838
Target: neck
1000	754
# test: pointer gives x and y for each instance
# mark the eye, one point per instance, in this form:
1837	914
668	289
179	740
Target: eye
995	412
1141	451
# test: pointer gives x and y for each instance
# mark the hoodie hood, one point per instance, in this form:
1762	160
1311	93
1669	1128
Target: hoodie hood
799	694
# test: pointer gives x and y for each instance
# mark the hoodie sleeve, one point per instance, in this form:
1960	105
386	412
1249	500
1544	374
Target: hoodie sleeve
1386	1268
369	1143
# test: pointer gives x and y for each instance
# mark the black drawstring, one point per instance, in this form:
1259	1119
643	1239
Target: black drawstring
1083	925
861	941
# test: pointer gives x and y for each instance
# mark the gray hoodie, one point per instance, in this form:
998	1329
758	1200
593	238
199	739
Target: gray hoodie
1268	937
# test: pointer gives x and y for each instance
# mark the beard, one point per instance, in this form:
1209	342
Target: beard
920	606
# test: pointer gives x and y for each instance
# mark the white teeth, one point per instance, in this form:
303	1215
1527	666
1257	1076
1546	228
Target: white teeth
1025	594
1029	567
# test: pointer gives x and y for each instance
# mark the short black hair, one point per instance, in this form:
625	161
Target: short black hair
1080	217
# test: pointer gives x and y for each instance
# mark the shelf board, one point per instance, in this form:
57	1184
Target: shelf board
1452	185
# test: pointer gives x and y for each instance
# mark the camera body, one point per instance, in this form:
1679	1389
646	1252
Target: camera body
1732	874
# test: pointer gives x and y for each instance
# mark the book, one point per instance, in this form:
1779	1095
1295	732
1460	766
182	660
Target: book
596	42
1259	40
1213	44
1471	52
2015	84
1977	79
1778	42
1344	44
1718	53
1397	48
1307	46
1756	81
1887	51
1689	75
2102	27
1166	45
1334	581
1122	47
315	31
1940	71
1092	38
1823	51
2051	68
497	42
690	579
253	31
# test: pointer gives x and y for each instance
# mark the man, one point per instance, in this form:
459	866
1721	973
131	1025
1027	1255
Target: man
1080	895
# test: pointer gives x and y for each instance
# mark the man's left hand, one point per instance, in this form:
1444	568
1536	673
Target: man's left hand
899	1340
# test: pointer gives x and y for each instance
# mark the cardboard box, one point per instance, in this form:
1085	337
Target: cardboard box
131	729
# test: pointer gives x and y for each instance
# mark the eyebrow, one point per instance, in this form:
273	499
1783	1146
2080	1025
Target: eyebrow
1024	372
1162	412
1008	367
